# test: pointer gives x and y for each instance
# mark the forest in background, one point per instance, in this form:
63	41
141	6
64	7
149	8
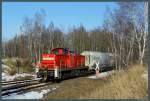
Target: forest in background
123	33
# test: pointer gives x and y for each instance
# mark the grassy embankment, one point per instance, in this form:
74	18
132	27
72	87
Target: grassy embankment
24	68
126	84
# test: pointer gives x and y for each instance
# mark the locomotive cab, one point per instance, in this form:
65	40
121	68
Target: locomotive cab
62	51
61	62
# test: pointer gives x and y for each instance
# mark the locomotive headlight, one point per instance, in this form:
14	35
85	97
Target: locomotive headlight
56	72
36	70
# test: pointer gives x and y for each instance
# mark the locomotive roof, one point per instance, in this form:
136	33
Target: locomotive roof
67	49
59	48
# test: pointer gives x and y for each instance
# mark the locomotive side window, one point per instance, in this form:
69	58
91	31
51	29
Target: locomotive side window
72	52
65	51
56	52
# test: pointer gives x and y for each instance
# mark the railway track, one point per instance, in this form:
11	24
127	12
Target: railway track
20	86
10	87
18	81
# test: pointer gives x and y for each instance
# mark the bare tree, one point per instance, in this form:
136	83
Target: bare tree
125	30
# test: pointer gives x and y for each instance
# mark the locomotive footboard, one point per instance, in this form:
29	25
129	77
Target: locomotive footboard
60	74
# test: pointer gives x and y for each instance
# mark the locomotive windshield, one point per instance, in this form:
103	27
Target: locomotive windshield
72	52
55	51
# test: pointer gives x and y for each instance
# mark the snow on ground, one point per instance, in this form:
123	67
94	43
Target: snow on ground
4	60
30	95
101	75
7	77
13	59
5	68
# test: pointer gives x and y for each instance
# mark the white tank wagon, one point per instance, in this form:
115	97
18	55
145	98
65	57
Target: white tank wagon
103	60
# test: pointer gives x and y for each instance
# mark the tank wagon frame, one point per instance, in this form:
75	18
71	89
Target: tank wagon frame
104	59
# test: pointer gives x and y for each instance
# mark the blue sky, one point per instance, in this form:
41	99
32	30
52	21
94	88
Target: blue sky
62	14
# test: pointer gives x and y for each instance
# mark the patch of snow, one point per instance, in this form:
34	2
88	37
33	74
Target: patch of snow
4	60
13	59
29	95
7	77
5	68
101	75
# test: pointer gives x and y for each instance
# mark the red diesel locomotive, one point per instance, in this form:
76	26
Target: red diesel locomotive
61	63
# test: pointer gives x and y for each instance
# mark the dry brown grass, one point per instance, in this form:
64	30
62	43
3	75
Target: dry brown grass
124	85
25	65
74	88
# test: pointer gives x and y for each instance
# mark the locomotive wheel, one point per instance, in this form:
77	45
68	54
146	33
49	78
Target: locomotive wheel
58	80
